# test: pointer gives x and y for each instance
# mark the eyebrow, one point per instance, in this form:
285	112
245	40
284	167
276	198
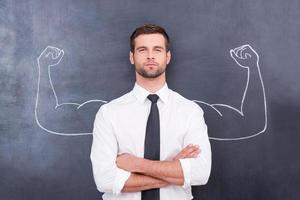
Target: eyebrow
159	47
141	47
155	47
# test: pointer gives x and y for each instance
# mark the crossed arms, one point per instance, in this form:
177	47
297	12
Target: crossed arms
147	174
115	173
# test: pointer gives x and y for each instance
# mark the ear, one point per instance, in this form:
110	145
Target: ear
168	57
131	58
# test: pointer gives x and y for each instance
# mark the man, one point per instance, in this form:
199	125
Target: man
150	143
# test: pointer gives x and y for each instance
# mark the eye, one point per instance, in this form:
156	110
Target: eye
158	50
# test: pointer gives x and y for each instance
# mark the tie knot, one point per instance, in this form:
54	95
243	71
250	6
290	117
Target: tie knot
153	97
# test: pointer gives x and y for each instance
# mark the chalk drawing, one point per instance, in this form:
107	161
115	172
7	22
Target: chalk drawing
241	55
52	56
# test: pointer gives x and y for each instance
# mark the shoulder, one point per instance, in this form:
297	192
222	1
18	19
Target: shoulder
186	108
184	103
117	103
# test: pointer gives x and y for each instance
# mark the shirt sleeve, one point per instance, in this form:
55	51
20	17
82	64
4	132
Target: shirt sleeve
108	177
196	171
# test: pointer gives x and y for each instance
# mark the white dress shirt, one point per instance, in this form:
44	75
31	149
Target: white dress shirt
120	127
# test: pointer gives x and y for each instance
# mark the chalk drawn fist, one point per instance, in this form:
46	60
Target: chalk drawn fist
51	56
245	56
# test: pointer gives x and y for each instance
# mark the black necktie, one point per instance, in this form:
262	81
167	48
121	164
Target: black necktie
152	143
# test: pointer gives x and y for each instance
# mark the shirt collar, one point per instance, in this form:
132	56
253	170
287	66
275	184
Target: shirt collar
141	93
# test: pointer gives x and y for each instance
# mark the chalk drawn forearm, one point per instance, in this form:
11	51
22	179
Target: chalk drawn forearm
51	56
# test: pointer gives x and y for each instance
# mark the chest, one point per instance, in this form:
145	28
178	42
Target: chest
130	129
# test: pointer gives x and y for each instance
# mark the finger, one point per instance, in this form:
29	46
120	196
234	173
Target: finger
191	149
187	147
248	53
50	51
240	52
234	56
194	153
60	55
54	52
57	53
57	60
237	49
185	151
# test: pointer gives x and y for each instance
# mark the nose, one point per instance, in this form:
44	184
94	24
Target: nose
150	55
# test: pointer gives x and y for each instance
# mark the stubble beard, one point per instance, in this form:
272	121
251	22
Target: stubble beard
148	74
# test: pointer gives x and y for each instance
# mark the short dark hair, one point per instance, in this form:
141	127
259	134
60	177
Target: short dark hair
149	29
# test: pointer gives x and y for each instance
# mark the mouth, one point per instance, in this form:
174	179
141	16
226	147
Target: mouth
151	64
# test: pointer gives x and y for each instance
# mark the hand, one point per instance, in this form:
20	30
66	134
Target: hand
245	56
50	56
127	162
190	151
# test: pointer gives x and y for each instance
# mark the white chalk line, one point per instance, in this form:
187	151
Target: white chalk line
240	111
57	104
238	50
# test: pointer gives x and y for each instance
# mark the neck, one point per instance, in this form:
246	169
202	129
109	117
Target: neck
151	84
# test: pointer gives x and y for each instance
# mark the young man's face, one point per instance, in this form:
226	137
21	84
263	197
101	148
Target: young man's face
150	57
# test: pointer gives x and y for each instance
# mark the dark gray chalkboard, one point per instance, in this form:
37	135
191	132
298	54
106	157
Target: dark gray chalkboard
47	112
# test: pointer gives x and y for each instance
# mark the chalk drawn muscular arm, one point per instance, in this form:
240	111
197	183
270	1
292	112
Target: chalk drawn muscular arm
250	119
48	108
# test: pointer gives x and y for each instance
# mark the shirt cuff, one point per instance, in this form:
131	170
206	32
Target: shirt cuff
186	168
120	179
